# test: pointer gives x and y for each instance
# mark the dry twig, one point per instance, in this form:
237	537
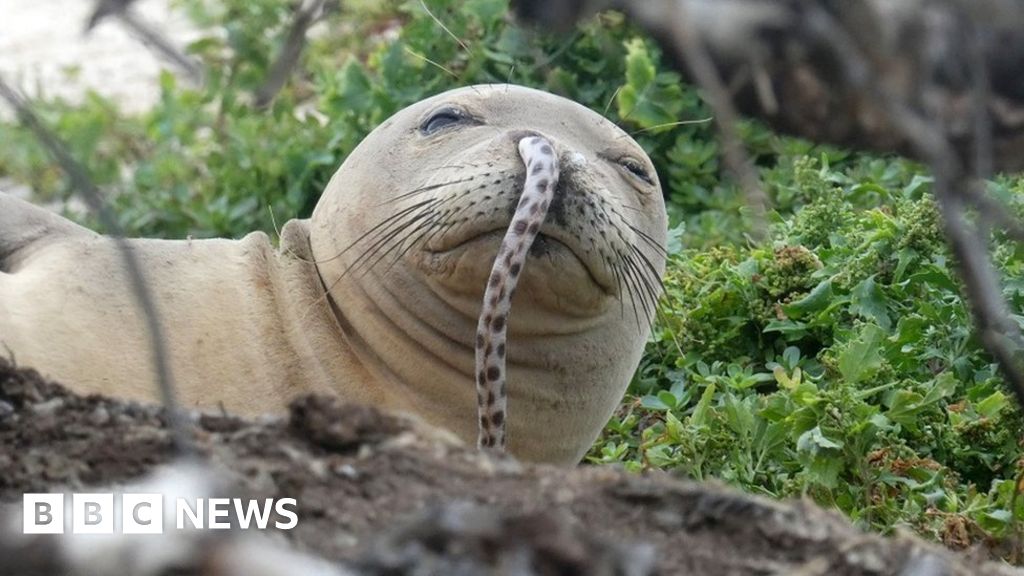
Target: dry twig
93	198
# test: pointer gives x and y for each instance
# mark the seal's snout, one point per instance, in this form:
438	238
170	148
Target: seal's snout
516	135
574	160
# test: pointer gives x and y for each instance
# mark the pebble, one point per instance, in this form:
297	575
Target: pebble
99	416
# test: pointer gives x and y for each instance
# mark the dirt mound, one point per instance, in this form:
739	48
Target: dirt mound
380	495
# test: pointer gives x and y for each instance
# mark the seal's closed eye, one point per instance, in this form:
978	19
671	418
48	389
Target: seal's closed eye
637	169
444	118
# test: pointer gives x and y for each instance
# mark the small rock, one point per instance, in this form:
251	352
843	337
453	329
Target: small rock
347	471
99	416
667	519
48	408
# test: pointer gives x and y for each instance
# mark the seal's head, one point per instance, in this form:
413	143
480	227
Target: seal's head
407	231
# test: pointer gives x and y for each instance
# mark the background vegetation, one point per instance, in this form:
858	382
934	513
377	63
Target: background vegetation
836	360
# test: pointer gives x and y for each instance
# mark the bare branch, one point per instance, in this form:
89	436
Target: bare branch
153	39
93	198
726	118
307	14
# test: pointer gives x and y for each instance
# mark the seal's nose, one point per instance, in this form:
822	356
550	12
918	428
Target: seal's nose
516	135
574	159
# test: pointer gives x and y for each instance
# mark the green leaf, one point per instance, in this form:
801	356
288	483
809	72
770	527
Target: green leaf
906	406
863	356
868	301
640	70
700	412
653	403
818	299
647	98
904	258
821	456
788	327
738	416
814	440
935	276
667	398
992	405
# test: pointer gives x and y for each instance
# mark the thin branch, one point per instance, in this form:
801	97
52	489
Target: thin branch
308	13
994	211
726	117
149	36
93	198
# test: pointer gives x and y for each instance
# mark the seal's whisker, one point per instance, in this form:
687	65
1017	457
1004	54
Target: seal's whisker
431	206
445	28
650	306
648	240
377	229
424	189
454	226
403	245
424	207
328	288
431	62
631	290
447	166
424	237
618	283
650	268
653	281
441	228
381	239
645	272
386	243
369	232
641	286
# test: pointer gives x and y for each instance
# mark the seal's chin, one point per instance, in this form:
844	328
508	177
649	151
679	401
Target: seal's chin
555	276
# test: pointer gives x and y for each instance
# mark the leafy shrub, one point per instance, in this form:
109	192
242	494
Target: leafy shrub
836	362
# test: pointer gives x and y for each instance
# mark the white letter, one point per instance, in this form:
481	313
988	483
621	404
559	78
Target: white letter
42	513
216	512
282	511
252	509
142	514
92	513
196	517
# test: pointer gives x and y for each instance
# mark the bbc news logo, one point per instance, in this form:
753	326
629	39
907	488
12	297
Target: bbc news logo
144	513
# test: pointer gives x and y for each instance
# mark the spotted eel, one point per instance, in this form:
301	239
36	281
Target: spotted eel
491	374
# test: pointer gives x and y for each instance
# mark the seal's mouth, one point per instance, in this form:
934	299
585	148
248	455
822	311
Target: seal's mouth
551	243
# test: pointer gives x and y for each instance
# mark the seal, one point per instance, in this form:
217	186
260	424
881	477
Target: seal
376	298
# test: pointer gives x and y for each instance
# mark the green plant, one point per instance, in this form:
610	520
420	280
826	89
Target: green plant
837	362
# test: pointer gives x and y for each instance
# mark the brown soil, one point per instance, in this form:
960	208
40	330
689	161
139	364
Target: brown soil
381	495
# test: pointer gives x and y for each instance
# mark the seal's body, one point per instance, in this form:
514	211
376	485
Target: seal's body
232	311
376	297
